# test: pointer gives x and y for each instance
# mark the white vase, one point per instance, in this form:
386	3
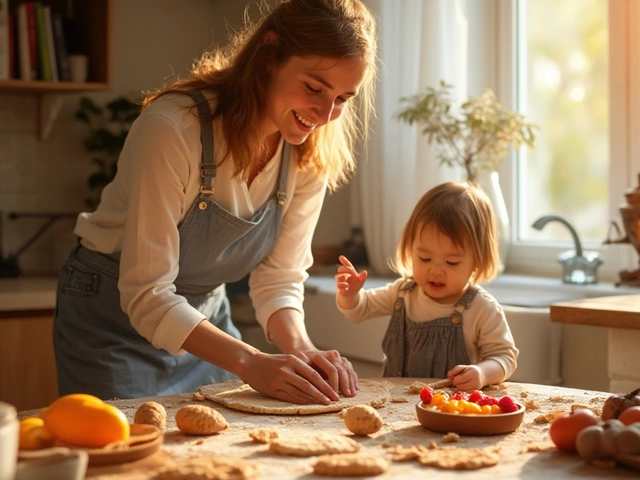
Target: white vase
490	183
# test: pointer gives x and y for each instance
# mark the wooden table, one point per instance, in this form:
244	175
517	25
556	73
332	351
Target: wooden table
620	315
401	428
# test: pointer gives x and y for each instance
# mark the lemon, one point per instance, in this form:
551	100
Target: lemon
33	434
85	421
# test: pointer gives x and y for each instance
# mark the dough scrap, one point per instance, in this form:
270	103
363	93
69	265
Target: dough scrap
455	458
263	435
210	468
312	445
350	465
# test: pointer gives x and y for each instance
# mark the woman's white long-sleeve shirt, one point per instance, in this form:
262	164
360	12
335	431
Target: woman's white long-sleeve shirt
484	325
158	179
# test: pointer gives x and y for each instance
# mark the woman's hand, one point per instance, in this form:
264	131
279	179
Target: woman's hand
288	377
336	369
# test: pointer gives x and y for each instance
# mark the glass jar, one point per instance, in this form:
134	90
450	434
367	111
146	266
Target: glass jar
9	431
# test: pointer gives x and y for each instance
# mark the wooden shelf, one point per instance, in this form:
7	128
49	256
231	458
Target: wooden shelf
94	35
42	87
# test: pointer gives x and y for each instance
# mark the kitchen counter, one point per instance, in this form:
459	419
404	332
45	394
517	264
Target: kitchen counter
620	311
27	293
401	428
620	315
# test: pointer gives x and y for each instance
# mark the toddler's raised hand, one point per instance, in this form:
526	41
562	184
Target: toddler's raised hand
349	282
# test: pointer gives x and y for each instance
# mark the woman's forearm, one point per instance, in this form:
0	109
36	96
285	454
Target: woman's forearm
219	348
287	331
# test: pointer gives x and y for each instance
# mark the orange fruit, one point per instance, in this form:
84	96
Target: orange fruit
33	434
85	421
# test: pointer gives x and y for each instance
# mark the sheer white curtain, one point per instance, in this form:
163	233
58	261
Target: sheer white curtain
422	42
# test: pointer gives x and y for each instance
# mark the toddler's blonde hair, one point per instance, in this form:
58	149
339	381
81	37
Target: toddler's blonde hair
462	212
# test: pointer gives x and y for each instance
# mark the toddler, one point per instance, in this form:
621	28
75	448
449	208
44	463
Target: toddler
443	324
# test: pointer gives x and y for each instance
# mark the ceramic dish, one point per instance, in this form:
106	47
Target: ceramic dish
493	424
53	464
143	441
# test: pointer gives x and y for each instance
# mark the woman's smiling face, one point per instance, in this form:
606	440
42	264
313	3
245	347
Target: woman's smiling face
308	92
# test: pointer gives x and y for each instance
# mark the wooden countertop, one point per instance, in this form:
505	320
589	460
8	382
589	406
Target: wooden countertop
401	428
621	311
27	293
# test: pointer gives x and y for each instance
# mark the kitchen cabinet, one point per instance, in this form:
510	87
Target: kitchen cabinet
27	364
94	20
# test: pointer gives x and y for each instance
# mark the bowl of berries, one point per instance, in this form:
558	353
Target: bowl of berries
468	413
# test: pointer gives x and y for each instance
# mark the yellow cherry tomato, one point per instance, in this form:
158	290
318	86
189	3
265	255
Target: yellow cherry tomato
438	398
471	408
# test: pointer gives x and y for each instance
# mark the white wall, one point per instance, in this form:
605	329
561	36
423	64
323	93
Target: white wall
153	39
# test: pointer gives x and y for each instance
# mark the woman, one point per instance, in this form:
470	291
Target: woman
223	174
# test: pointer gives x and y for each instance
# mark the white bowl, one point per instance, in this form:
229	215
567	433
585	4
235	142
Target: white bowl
52	464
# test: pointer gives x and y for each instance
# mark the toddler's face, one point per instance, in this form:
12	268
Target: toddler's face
441	268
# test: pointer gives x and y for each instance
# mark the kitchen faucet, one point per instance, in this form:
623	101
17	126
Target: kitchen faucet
578	268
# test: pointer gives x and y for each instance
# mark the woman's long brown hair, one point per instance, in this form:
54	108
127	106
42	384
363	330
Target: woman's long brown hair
236	75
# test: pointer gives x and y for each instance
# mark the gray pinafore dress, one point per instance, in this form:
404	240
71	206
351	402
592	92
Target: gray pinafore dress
425	349
99	352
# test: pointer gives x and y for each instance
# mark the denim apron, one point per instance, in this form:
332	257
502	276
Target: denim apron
99	352
425	349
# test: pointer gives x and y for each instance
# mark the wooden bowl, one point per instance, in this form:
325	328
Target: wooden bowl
143	441
467	424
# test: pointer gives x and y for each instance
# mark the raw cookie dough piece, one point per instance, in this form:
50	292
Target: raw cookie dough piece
210	468
151	413
350	465
362	419
240	396
308	446
200	420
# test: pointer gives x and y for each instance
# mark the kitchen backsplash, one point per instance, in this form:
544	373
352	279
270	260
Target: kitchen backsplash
40	176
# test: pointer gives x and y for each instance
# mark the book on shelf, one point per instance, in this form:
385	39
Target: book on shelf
62	55
51	47
24	51
5	40
33	39
44	63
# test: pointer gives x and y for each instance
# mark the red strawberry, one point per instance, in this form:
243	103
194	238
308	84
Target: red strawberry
475	396
507	405
426	394
487	401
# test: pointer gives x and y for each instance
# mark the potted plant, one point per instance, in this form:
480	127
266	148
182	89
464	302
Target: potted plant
476	135
108	128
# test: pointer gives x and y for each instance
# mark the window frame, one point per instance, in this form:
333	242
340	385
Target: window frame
539	257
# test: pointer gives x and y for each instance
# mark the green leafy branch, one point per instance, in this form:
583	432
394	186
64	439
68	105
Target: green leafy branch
476	138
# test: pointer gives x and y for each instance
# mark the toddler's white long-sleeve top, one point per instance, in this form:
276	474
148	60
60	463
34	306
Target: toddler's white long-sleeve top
485	328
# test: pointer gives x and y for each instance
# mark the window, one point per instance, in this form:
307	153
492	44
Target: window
566	67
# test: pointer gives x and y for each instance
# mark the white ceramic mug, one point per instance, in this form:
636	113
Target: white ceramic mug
9	431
